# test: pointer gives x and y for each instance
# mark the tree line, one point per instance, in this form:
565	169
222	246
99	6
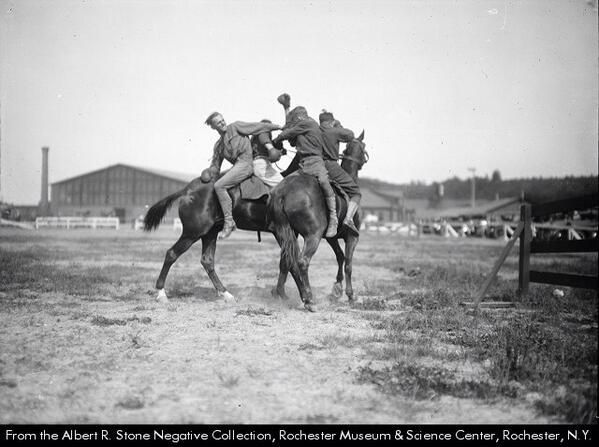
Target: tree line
534	189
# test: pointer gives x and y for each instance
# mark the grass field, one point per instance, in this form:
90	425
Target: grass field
83	340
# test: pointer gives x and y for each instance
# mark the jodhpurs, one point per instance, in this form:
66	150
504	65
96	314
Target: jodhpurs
344	180
314	165
233	177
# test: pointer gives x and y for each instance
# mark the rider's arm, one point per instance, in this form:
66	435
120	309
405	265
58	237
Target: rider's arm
217	158
344	135
248	129
297	129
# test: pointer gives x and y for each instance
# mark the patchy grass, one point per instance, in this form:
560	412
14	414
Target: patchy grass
542	344
371	303
424	382
252	312
100	320
228	380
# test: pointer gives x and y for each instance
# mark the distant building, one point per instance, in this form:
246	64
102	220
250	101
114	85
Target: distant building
503	209
385	207
119	190
126	191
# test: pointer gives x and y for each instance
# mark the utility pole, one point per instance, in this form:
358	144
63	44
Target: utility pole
472	187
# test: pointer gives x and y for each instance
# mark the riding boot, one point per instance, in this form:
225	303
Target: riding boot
332	206
228	228
352	207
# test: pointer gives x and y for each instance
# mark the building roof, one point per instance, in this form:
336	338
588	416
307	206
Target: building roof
370	199
182	177
503	206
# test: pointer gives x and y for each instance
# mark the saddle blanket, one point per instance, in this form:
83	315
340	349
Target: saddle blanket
253	188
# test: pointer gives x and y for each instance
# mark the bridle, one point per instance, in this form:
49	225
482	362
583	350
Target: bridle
361	162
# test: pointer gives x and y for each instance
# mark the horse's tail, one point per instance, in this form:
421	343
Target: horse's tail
285	234
158	210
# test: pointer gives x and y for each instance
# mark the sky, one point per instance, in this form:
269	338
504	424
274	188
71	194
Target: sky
439	86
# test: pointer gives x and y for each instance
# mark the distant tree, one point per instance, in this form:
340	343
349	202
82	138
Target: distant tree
496	176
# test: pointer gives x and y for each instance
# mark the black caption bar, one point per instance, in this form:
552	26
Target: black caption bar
275	435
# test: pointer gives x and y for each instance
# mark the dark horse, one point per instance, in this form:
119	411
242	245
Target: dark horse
202	218
297	206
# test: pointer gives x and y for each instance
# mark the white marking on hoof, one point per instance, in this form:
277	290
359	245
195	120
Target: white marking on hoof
228	297
162	298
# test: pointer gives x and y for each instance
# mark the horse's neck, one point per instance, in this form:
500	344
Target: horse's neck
352	170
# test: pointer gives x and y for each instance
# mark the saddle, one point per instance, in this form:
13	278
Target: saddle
253	188
341	197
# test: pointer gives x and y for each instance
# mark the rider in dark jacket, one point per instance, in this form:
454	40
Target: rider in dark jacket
304	133
333	134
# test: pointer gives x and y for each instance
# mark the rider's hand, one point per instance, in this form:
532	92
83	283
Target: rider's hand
206	176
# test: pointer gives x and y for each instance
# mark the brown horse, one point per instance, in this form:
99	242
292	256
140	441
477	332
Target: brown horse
202	218
297	206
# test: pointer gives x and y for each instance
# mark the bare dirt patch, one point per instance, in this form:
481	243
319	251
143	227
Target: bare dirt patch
82	339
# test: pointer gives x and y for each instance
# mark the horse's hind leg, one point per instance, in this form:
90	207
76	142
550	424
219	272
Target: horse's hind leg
279	290
311	243
172	254
350	246
338	286
208	251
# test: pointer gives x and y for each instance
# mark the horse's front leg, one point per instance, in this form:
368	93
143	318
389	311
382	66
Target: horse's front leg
172	254
338	286
350	246
208	251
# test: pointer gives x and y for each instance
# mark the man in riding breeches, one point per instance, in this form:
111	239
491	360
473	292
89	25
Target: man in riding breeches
234	146
333	134
306	136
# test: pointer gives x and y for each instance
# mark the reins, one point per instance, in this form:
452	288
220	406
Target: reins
361	162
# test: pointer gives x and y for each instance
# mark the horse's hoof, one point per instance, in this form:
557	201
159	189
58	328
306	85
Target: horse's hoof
162	298
354	300
311	307
226	296
337	291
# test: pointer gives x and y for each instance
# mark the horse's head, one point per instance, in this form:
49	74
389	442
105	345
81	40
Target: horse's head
354	156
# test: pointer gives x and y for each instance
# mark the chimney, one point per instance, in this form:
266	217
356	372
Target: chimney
44	204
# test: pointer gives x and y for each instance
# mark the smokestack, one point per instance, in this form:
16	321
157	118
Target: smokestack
44	204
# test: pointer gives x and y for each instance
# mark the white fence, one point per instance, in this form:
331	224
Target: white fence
77	222
399	228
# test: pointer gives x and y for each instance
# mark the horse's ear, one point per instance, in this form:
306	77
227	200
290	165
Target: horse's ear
361	137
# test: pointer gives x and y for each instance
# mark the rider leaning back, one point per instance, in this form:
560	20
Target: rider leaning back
233	146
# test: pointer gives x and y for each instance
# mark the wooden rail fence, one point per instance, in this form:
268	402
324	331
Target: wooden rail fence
530	246
77	222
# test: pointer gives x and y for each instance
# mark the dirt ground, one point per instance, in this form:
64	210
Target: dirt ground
83	339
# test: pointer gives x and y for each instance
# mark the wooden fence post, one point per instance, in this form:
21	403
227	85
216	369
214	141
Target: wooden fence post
481	292
525	239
